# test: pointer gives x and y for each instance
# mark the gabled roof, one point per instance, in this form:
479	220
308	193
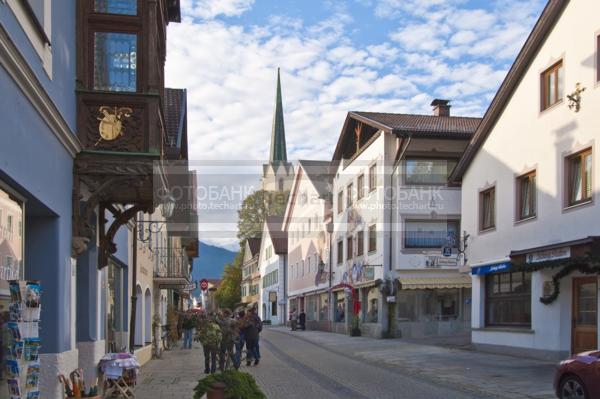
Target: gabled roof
419	124
254	246
536	39
403	125
278	236
320	175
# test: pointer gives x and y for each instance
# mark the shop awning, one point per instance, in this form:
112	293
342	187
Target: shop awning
420	283
493	268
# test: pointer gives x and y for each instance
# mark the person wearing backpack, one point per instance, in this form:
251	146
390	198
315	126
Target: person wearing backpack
209	334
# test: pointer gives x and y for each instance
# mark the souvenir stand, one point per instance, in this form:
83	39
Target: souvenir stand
120	372
22	343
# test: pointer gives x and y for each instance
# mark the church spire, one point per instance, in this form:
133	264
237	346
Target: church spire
278	151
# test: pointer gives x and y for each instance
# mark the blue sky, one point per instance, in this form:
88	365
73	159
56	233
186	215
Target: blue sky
335	56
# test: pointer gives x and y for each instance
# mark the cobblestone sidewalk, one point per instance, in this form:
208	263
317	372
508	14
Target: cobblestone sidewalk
173	376
497	375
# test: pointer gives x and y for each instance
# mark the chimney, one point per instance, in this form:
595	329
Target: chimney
441	107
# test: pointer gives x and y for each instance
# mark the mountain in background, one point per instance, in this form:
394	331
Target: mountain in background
210	263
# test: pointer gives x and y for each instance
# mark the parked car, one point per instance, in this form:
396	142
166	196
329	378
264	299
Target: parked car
579	377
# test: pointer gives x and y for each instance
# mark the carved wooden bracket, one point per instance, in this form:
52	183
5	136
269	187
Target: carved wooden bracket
92	193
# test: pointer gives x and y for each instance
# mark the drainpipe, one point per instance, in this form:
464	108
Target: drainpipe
400	154
133	289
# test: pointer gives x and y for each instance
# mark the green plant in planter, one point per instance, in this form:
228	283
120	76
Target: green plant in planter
238	385
355	326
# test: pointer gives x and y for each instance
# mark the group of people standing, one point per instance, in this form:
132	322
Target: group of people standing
223	336
296	318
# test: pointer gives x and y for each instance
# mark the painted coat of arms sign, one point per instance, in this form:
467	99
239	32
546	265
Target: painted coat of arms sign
111	126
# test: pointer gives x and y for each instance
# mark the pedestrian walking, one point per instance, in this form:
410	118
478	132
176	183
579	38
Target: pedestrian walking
241	338
253	328
302	319
208	333
293	319
188	325
229	333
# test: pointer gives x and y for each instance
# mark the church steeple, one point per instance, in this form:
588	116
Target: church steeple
278	152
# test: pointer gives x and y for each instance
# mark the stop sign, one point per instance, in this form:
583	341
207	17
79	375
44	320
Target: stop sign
204	284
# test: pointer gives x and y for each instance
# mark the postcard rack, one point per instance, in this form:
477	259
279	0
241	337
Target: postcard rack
21	352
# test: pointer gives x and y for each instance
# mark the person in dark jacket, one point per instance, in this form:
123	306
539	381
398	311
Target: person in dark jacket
241	339
253	329
302	319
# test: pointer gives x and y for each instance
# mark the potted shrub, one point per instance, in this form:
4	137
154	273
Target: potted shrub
355	332
237	384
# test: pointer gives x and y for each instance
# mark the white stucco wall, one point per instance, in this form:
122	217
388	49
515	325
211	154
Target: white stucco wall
523	139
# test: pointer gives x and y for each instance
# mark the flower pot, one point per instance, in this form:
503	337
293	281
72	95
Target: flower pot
216	391
355	332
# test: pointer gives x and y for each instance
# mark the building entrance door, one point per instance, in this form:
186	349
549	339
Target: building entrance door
584	334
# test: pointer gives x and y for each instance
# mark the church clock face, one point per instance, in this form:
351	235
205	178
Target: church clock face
111	125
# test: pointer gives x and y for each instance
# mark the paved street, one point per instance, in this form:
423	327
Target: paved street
323	365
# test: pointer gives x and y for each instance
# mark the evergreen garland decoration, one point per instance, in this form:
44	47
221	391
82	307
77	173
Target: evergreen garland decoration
588	264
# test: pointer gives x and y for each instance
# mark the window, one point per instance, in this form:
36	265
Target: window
324	308
372	177
308	264
339	312
274	308
526	196
372	238
9	224
340	252
371	307
125	7
428	171
552	85
360	243
280	184
115	61
360	187
349	192
340	201
20	228
302	268
430	233
508	299
579	175
349	249
487	211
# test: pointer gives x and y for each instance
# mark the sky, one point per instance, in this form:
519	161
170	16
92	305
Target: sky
335	56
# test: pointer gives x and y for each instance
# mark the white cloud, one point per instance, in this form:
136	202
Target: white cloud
229	70
209	9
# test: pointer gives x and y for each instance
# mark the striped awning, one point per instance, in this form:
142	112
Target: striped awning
421	283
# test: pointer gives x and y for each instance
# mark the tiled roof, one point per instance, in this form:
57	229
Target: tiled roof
173	105
254	245
425	124
320	174
278	236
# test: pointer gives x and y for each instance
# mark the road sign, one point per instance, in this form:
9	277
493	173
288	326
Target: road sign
204	284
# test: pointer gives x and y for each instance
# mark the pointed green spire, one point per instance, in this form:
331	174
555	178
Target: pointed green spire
278	151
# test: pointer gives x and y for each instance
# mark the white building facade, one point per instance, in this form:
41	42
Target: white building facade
272	265
306	222
529	187
393	215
